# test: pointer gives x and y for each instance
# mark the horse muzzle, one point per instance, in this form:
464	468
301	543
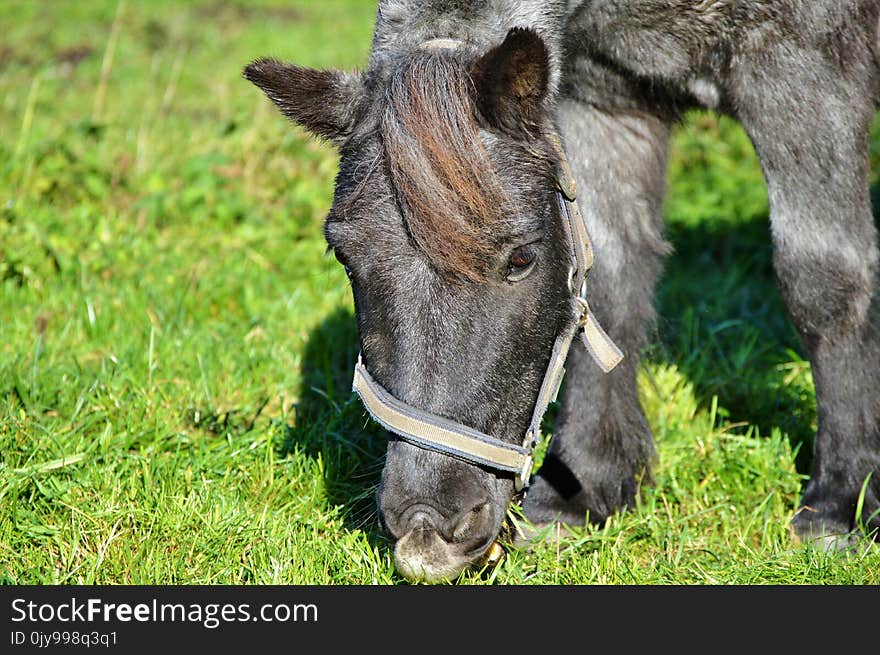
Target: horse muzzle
436	549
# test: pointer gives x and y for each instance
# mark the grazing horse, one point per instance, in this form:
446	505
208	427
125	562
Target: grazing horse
452	219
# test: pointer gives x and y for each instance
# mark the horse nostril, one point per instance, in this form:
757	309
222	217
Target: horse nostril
474	524
421	521
419	516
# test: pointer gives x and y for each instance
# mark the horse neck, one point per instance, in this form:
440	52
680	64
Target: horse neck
402	25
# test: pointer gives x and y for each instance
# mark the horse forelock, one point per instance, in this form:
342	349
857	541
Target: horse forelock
446	185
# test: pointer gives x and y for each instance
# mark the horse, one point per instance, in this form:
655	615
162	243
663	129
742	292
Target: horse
453	215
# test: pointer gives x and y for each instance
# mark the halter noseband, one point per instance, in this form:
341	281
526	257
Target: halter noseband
432	432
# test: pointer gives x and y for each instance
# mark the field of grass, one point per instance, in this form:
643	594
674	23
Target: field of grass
176	346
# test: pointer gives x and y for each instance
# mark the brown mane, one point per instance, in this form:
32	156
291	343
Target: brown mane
447	188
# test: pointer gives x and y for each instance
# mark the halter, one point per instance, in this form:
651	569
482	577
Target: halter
435	433
432	432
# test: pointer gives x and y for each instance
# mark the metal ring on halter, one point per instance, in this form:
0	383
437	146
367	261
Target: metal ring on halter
582	294
572	274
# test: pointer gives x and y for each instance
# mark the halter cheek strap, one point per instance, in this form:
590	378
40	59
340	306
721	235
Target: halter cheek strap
435	433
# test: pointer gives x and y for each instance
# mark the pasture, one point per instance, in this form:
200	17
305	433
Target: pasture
176	346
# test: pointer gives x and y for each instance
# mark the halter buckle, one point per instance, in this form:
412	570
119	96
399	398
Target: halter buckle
582	312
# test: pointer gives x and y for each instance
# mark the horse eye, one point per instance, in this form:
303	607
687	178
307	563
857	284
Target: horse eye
521	262
342	261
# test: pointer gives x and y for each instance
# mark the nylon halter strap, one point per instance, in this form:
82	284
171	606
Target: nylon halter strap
435	433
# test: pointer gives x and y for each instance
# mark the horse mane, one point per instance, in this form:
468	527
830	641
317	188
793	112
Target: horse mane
446	186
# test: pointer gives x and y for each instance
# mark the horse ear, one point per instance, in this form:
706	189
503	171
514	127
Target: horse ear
322	101
511	82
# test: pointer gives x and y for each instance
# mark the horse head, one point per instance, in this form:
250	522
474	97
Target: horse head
446	217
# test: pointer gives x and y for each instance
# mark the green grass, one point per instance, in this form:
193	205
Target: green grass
176	346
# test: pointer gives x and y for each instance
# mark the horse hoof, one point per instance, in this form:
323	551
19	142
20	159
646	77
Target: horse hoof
808	529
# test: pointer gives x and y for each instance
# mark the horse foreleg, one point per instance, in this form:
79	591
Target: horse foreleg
602	443
825	258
